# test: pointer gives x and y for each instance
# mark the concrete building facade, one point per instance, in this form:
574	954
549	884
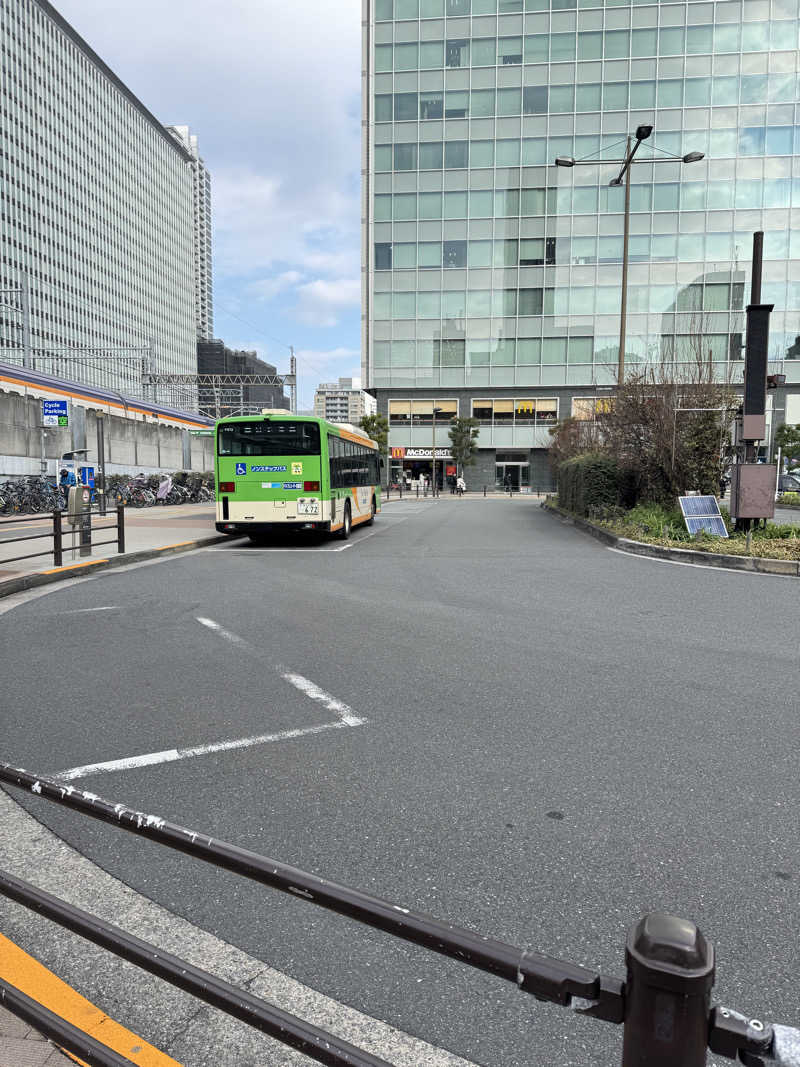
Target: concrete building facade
492	278
96	222
201	199
343	401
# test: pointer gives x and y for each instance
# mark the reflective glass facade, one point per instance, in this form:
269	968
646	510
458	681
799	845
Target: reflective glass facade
96	212
487	266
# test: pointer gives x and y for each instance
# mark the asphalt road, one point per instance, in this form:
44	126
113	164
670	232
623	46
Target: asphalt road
559	738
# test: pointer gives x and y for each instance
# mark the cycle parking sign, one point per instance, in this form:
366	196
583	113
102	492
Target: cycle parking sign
55	413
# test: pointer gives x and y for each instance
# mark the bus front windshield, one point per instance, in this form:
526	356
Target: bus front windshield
267	438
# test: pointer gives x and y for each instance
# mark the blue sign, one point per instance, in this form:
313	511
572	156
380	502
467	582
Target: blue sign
54	407
265	470
241	468
271	485
292	485
87	476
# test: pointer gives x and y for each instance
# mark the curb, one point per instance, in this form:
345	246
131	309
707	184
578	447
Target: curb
788	568
74	570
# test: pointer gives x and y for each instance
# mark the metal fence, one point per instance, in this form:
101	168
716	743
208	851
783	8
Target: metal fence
664	1003
77	537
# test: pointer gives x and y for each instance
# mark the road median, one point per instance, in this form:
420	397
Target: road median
752	564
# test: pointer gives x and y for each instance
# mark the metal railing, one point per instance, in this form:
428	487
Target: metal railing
83	530
664	1004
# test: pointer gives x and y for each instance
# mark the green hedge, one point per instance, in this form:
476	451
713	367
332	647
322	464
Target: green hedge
589	484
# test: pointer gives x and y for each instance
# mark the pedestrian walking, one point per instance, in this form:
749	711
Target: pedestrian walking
461	486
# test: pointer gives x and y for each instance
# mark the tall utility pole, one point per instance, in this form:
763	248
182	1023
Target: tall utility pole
293	385
25	301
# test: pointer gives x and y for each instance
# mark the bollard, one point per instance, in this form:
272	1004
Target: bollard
58	543
401	490
120	528
417	490
668	993
484	490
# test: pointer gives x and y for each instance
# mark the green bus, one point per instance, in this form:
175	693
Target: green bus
277	470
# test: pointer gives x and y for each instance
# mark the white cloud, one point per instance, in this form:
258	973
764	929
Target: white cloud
321	301
272	92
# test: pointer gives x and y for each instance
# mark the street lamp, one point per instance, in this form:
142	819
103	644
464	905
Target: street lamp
643	132
436	411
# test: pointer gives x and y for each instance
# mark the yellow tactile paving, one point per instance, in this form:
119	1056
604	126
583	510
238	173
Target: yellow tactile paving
32	978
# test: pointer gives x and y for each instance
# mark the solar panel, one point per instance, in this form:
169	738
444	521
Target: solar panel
702	513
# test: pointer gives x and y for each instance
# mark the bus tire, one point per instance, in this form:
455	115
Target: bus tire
373	510
347	523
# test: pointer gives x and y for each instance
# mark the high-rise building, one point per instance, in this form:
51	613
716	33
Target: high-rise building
201	189
343	401
97	218
213	358
492	278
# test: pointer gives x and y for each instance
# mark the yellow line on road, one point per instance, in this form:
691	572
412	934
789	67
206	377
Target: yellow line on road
32	978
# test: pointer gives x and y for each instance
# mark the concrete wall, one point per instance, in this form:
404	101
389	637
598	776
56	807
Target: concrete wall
133	441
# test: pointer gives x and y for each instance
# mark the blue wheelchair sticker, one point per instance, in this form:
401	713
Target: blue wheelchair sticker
241	468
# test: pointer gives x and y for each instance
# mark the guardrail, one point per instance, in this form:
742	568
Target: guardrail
56	532
664	1004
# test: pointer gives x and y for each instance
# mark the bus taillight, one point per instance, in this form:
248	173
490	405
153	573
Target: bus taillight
227	487
310	487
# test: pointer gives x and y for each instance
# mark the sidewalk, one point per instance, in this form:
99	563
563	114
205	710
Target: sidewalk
145	529
22	1047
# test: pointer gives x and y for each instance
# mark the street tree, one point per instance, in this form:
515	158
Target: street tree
377	428
787	439
463	436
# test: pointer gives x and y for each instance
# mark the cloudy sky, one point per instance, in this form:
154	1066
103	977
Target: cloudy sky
271	88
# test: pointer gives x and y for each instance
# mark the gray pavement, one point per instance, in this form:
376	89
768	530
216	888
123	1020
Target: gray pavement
559	738
20	1046
145	528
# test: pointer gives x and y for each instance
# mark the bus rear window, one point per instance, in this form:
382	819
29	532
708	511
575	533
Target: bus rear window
266	438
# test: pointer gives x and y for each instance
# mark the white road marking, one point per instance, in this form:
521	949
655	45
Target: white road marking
313	692
221	631
171	755
702	566
87	611
346	717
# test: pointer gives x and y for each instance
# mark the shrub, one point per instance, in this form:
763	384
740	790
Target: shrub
790	499
589	484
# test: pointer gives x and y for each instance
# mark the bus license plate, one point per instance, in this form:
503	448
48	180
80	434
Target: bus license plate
307	507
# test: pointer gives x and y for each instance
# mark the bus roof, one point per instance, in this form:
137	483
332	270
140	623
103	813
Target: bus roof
343	429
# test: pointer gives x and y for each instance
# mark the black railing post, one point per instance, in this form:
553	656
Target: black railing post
58	544
484	490
120	527
85	532
667	993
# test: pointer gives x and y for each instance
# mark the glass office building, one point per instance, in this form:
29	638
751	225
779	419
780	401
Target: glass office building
96	219
492	278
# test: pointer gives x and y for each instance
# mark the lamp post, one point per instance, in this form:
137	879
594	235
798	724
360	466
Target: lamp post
436	411
642	134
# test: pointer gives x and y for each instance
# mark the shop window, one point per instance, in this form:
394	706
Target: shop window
503	411
482	410
400	411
